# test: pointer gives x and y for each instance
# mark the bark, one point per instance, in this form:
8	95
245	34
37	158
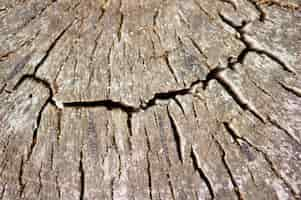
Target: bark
157	99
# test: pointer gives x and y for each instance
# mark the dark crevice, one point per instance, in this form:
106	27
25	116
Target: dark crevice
262	14
3	88
119	32
243	103
172	71
112	188
197	167
224	161
51	47
51	157
36	129
293	90
177	136
3	191
119	166
36	79
82	177
149	175
170	186
149	172
249	47
155	17
231	132
130	129
59	124
169	95
57	187
179	104
112	105
109	104
20	177
48	101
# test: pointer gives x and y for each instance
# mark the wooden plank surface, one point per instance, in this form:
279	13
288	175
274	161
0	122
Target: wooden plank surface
156	99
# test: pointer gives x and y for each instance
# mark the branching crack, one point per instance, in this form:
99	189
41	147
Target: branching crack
49	100
251	46
112	105
219	75
262	14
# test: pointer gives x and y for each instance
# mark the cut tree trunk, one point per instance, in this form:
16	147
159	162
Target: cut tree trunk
150	99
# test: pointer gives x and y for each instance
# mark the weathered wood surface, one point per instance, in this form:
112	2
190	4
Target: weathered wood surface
154	99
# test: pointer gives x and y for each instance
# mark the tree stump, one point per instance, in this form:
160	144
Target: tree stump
154	99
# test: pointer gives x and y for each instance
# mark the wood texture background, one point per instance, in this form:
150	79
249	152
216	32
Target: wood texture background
150	99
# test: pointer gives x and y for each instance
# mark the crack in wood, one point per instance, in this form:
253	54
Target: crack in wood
170	67
51	47
3	191
228	169
57	186
169	181
40	180
266	158
218	74
231	3
288	133
197	167
251	46
149	174
294	90
82	176
20	177
178	136
243	147
262	14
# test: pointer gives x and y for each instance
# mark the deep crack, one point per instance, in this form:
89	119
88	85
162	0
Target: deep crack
82	177
251	47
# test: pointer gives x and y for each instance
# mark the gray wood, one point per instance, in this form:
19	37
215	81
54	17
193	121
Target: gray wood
157	99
